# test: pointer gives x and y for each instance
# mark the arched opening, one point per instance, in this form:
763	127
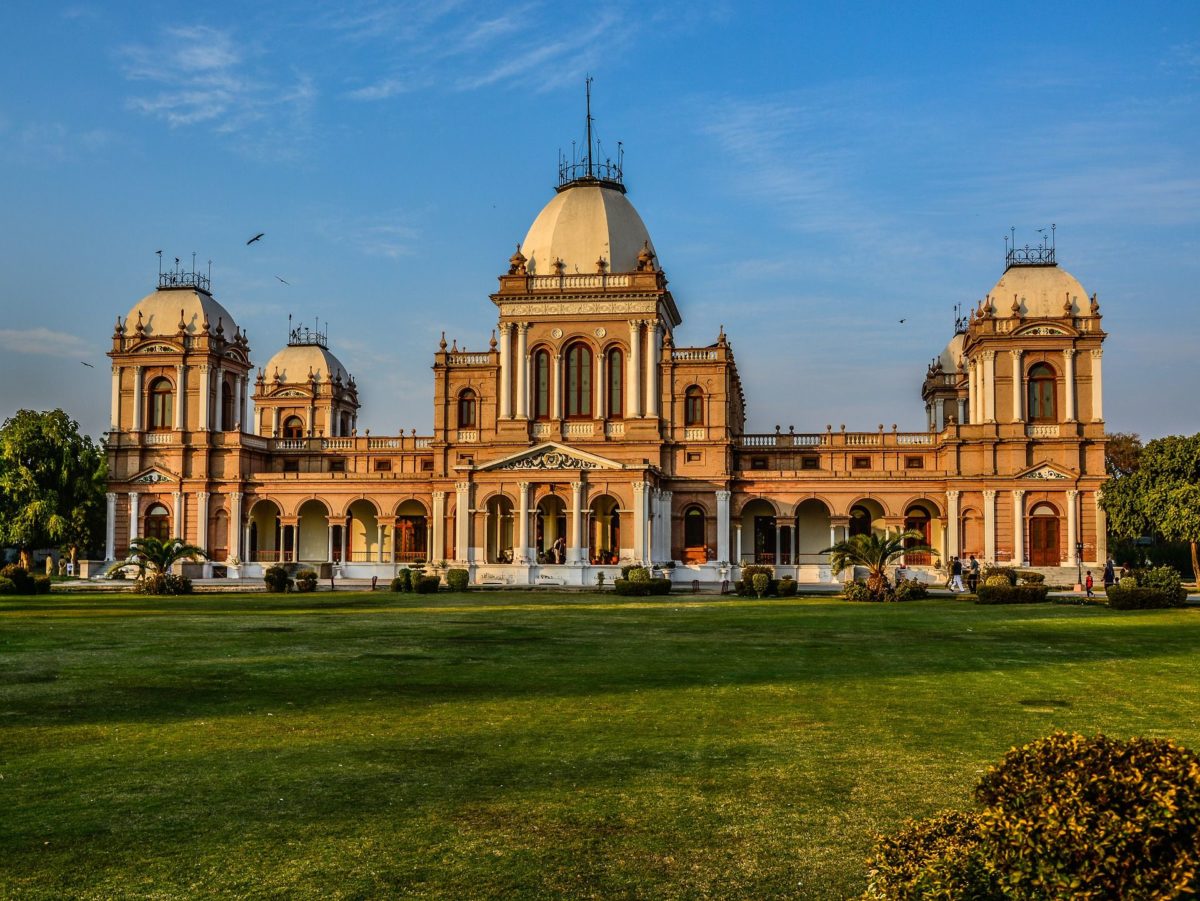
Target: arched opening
313	538
266	538
813	534
412	529
1043	536
227	409
693	406
761	541
550	530
616	383
157	523
541	384
218	544
1043	394
919	517
499	548
604	530
293	427
466	409
162	404
866	517
695	535
579	381
971	530
346	424
364	540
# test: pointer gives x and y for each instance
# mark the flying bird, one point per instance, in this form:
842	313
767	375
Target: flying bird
285	281
255	238
88	365
902	321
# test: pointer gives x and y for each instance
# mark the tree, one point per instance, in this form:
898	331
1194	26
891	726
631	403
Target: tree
52	482
1121	453
876	551
156	556
1161	496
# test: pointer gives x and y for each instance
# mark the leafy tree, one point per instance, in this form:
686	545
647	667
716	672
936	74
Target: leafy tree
876	551
156	556
1121	453
52	482
1161	496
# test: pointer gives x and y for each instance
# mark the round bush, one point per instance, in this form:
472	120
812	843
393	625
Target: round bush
787	587
761	582
41	584
19	576
910	590
306	580
426	584
997	581
639	575
458	579
935	858
1009	574
277	578
7	585
856	590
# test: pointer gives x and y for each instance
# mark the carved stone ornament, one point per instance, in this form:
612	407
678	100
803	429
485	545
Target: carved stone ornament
601	332
291	394
157	349
153	477
1045	474
549	460
1043	330
556	333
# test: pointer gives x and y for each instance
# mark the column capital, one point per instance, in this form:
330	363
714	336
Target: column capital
723	495
635	325
176	493
522	326
952	495
112	495
576	486
138	368
524	486
989	355
439	495
462	486
1072	493
203	495
989	494
640	487
1018	493
1068	353
1097	353
235	495
133	494
504	326
1016	353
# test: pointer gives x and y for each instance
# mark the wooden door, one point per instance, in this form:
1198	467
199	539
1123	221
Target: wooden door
1043	541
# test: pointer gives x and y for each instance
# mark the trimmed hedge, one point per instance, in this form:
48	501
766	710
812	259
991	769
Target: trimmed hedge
41	584
277	579
306	580
1138	598
910	590
19	576
1011	594
458	579
7	585
403	581
1009	574
426	584
761	583
1029	577
857	590
629	588
787	587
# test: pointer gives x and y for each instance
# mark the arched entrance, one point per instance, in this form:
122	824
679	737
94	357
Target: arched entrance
362	541
604	530
813	533
919	517
265	540
411	533
695	535
971	522
312	542
760	537
867	516
550	524
1043	536
157	523
499	530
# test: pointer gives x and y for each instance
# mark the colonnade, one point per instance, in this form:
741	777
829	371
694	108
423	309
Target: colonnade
981	386
211	410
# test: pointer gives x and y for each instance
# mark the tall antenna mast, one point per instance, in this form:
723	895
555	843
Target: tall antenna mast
588	85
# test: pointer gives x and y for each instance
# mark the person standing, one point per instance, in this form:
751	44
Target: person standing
973	574
956	583
1109	574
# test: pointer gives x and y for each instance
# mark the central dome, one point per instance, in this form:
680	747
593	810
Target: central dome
582	224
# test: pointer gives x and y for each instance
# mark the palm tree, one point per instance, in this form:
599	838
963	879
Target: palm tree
876	551
157	556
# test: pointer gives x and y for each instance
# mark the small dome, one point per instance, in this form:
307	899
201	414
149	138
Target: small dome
952	355
295	361
160	313
582	224
1041	291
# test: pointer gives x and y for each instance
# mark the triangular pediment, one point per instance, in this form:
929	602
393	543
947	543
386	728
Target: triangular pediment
1046	473
155	475
550	455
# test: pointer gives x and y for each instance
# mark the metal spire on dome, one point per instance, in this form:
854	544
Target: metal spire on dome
586	168
1042	255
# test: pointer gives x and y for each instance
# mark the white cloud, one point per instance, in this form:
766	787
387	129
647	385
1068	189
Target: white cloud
44	342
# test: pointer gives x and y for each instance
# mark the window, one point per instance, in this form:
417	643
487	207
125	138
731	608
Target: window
861	462
227	410
914	462
293	427
291	465
346	424
1042	394
158	523
758	462
541	385
466	459
694	457
337	465
466	409
860	521
693	527
579	381
693	406
616	383
810	462
383	465
426	466
162	404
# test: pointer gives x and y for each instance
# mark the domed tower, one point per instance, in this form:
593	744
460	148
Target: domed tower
304	391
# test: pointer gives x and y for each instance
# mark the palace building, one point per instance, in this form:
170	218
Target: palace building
585	437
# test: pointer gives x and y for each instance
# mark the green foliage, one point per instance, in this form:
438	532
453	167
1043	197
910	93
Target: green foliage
638	575
306	580
1164	578
152	556
1011	594
1122	453
164	583
19	576
632	589
787	587
761	582
856	590
997	581
7	586
937	859
1121	597
991	572
403	582
1029	577
458	579
660	586
600	581
277	579
910	590
750	570
52	483
876	552
41	584
426	584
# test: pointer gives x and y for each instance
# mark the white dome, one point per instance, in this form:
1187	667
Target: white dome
952	355
295	361
581	224
1040	290
161	310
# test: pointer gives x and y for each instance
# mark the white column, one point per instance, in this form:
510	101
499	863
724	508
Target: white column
989	386
633	385
205	386
312	415
505	370
989	525
973	389
722	525
235	525
574	542
177	515
115	423
556	387
379	542
328	541
522	370
138	425
1018	383
110	526
462	522
202	520
240	392
275	422
951	525
1018	497
738	547
665	523
1072	523
133	516
1069	387
219	379
962	410
521	553
601	386
1101	552
640	499
652	355
1097	388
345	524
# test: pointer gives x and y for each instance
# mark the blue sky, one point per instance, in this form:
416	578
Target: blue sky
811	174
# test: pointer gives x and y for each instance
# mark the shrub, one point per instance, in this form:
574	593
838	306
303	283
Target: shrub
277	579
787	587
1122	598
1011	594
426	584
458	579
856	590
761	582
403	581
997	581
7	585
600	581
1007	572
19	576
638	575
660	586
164	583
750	570
306	580
1164	578
1029	577
939	858
41	584
1128	582
910	590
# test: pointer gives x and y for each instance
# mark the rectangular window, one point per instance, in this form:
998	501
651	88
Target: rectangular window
466	459
758	462
810	462
291	465
694	457
383	465
914	462
337	465
616	383
426	466
862	463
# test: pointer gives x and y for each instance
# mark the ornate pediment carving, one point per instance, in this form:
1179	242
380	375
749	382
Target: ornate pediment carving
549	459
1045	473
291	393
152	477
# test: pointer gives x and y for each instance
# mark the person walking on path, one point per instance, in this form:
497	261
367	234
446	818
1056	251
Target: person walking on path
1109	575
956	584
1087	583
973	574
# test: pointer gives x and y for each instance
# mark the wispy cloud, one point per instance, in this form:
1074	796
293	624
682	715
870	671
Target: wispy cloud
43	342
390	237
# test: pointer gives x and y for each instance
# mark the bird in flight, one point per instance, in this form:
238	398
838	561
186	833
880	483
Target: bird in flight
255	238
285	281
902	321
88	365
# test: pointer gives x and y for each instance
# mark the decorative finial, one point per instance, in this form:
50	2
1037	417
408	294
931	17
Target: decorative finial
140	328
645	258
1067	306
601	265
1095	307
559	267
492	343
442	343
220	325
1016	307
182	324
516	263
118	329
205	325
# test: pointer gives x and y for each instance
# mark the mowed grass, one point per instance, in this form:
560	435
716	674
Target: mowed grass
528	745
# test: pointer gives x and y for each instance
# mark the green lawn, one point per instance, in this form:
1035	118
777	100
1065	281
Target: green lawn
526	745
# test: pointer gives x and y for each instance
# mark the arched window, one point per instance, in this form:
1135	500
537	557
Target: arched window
541	385
579	381
162	404
346	424
693	527
693	406
227	410
860	521
616	383
158	523
1042	394
293	427
466	409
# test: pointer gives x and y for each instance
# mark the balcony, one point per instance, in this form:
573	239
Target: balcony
1043	430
